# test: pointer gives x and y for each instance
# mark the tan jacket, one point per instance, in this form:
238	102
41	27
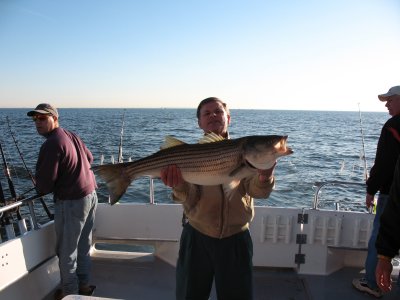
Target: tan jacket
217	215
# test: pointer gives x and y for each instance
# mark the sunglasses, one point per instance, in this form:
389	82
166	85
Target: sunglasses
40	118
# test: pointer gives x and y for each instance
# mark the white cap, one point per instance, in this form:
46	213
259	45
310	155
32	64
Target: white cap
392	91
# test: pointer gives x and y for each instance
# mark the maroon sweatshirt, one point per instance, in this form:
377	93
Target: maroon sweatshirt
63	166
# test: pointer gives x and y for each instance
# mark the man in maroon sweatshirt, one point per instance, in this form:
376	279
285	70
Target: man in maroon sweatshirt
63	168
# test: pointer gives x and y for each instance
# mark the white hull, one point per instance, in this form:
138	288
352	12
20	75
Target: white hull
331	240
29	268
334	239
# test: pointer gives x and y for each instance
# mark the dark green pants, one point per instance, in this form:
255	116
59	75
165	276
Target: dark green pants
203	259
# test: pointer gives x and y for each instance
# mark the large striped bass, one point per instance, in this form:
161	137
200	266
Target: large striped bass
212	161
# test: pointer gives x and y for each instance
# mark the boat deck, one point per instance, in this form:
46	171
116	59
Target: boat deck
147	277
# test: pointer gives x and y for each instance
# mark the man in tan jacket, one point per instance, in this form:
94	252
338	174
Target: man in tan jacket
215	241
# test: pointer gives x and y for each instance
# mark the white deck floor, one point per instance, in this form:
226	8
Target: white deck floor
148	278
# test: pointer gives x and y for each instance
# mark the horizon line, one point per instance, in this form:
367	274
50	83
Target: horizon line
273	109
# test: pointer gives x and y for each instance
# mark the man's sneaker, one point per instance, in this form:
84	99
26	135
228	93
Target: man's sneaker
362	285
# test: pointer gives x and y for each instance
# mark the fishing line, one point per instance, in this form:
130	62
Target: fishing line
19	151
363	145
120	158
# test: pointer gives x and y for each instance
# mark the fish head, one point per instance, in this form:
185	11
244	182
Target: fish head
261	152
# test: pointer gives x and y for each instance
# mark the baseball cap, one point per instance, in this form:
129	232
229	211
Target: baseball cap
392	91
44	109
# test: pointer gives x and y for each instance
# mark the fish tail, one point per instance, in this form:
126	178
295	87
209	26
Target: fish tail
116	179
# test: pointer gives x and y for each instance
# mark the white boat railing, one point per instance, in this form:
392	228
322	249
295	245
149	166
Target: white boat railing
8	221
319	185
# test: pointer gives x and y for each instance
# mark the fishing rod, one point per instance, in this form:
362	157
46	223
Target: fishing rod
21	221
7	174
120	159
363	146
49	214
371	208
3	216
7	217
19	152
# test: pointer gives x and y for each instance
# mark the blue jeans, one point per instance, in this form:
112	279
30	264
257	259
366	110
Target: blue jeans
73	220
372	256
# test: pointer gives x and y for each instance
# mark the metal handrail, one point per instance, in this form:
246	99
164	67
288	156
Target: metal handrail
319	185
18	203
151	191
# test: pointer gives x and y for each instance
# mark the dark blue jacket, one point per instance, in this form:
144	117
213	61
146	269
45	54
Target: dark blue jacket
388	149
388	240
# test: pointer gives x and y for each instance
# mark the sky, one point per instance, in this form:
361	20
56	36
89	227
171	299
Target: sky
252	54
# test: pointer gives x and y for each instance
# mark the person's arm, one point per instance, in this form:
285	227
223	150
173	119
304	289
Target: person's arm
369	200
47	168
260	185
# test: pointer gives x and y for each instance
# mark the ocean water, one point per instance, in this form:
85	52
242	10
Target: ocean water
327	147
